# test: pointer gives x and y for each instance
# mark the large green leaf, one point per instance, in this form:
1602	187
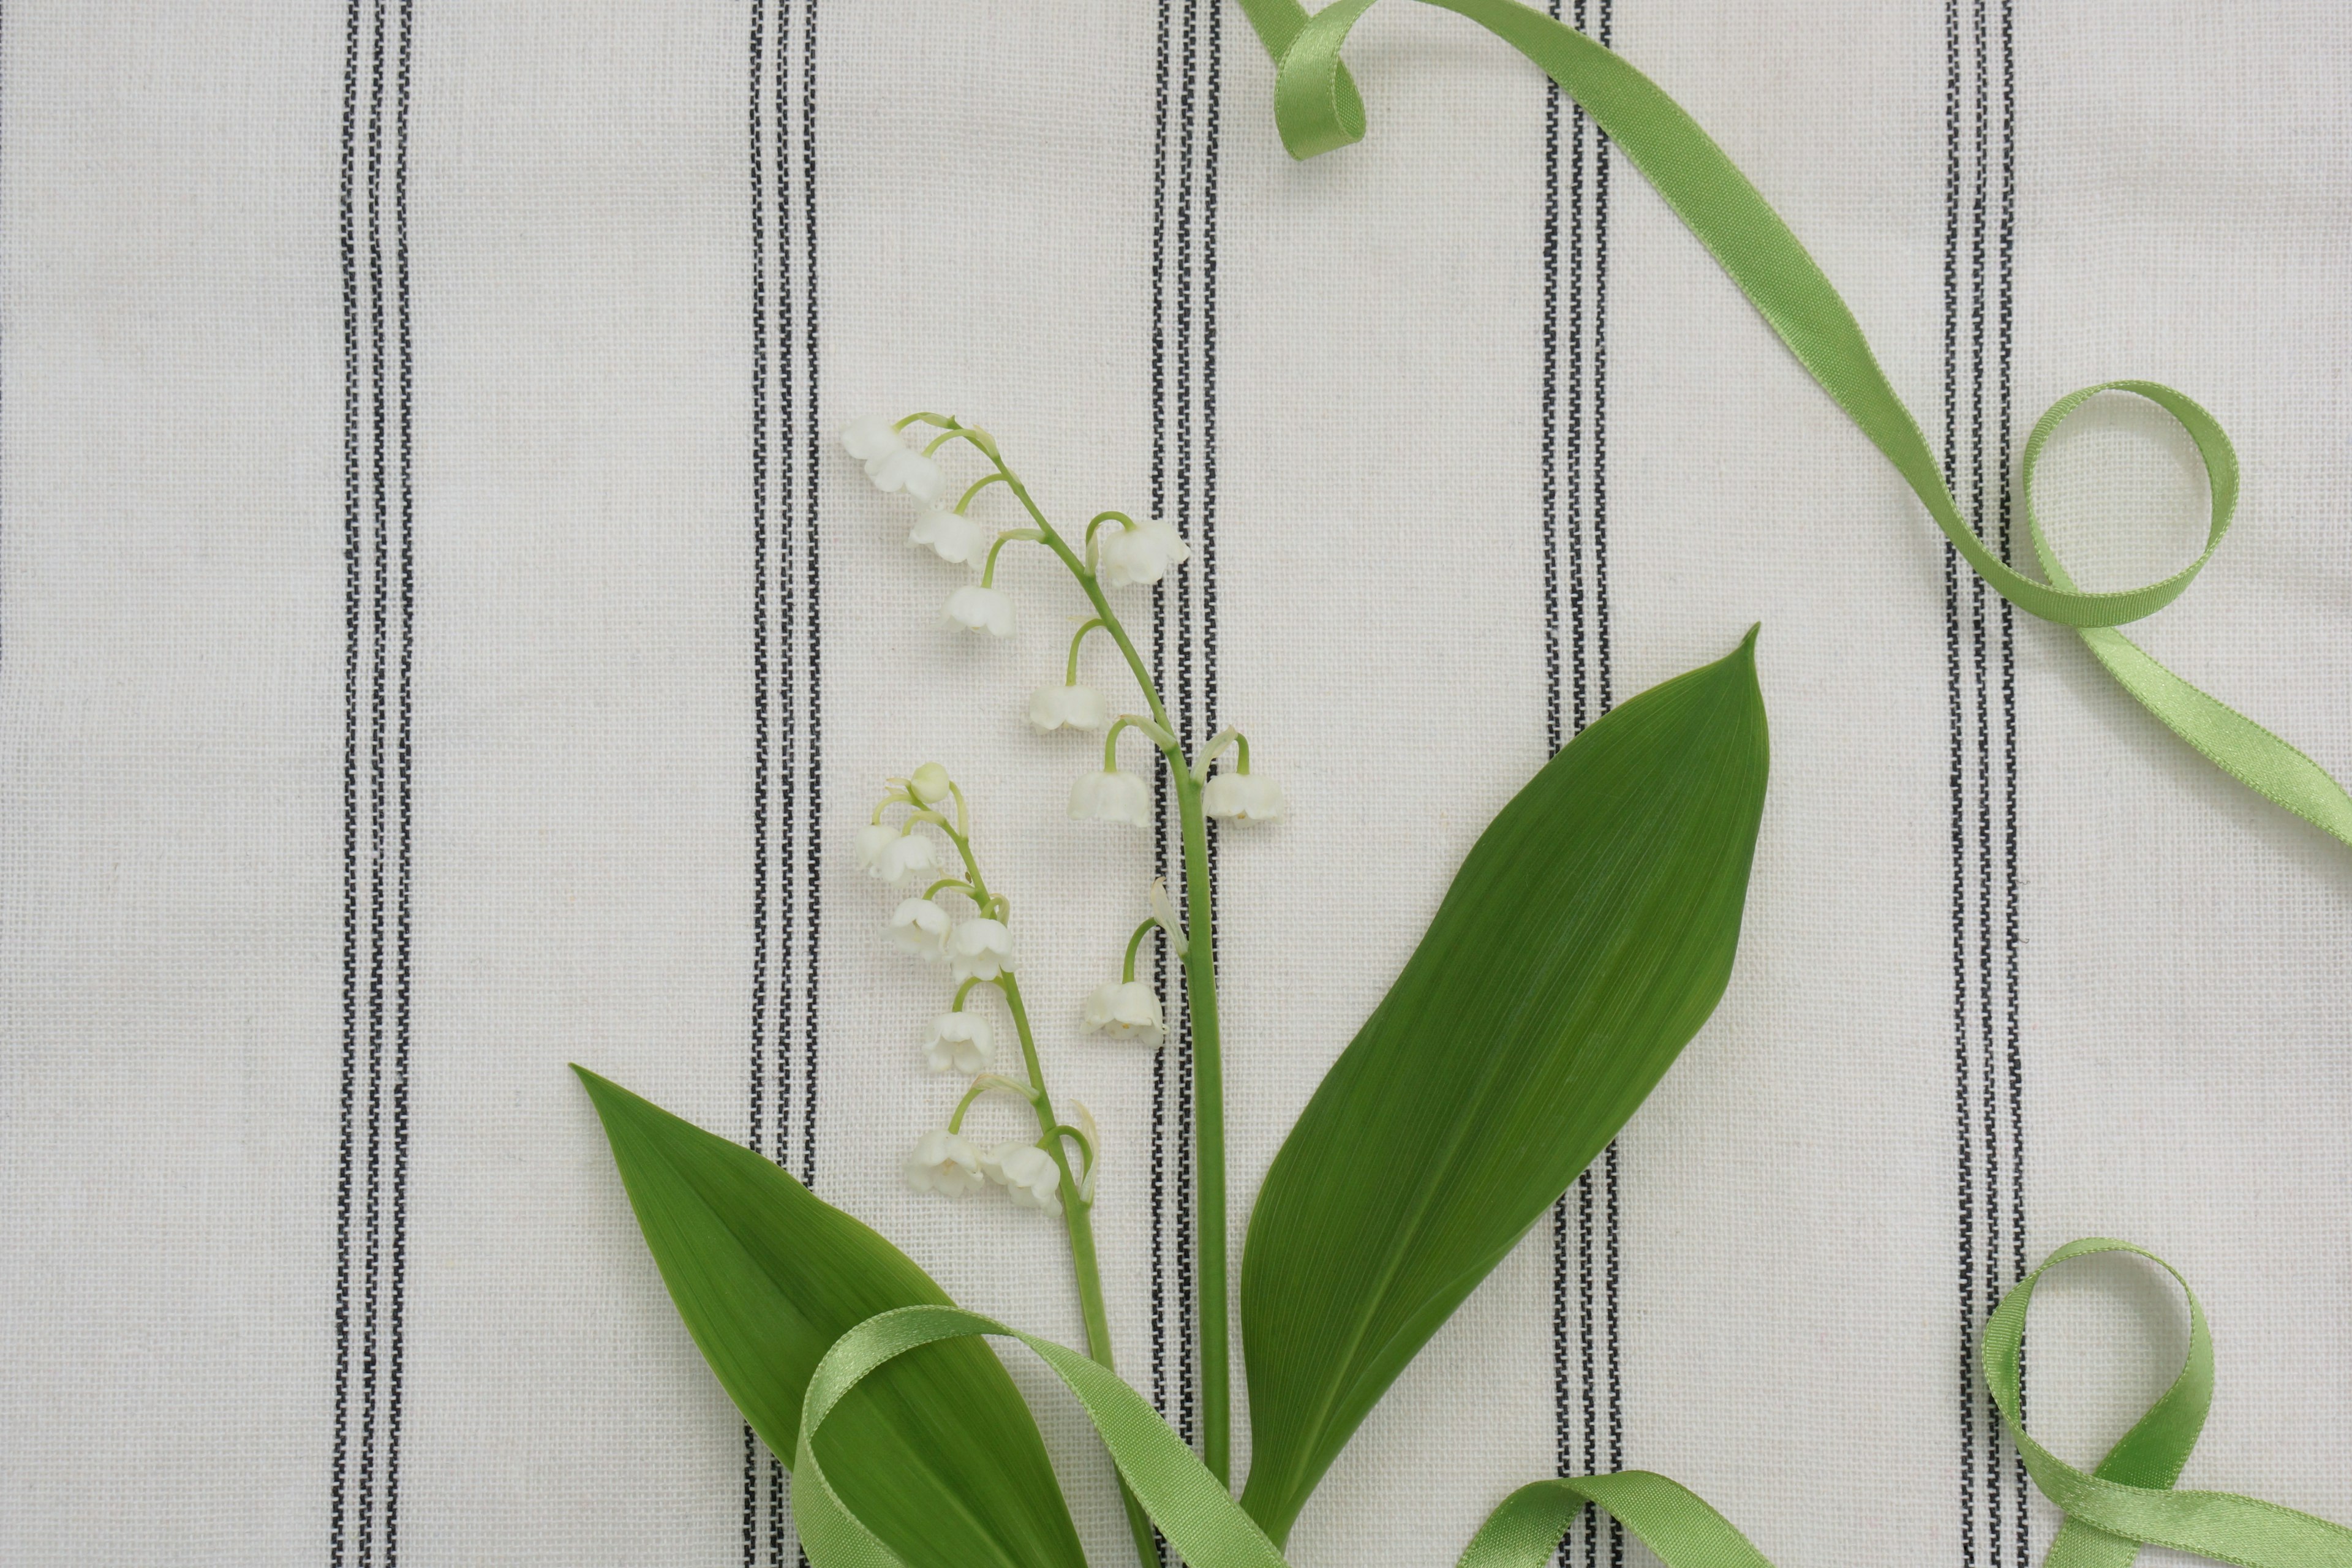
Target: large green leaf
936	1451
1587	937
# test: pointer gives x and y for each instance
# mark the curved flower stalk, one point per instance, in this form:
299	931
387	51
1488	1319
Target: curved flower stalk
1114	551
1055	1172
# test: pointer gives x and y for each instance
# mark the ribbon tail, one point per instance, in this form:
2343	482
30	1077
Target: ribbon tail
1318	109
2253	755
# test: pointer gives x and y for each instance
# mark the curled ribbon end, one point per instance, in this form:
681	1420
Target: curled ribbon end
1315	105
1318	110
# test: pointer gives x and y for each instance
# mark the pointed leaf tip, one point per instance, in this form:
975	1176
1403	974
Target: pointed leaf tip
936	1452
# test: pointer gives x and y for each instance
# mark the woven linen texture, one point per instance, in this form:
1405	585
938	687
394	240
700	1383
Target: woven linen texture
439	640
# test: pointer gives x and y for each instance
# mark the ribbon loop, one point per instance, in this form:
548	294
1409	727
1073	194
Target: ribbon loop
2127	1501
1318	109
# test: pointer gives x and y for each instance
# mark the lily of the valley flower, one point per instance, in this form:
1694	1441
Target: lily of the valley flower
943	1163
959	1040
1125	1010
979	949
1067	707
904	468
1142	554
1242	797
870	435
920	927
976	608
1028	1174
949	532
891	856
1111	796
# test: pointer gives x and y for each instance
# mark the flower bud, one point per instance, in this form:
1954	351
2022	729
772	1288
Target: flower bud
930	784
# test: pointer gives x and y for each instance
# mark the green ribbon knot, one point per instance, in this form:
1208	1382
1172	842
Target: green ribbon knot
1318	109
2125	1502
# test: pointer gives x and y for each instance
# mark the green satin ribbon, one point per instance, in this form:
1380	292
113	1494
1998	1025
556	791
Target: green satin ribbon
2111	1510
1317	109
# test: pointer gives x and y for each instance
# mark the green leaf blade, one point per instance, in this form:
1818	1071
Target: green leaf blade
1589	934
936	1452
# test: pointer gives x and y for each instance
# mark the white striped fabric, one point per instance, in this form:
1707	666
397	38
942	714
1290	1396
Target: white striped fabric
439	640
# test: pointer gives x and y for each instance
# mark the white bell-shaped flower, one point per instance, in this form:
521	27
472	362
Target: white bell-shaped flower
904	468
1028	1174
1125	1010
1242	797
920	927
979	949
1111	796
1067	708
959	1040
950	533
943	1163
978	609
870	435
894	858
1140	554
872	840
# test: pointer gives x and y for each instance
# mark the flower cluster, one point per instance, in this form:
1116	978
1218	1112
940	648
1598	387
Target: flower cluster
978	951
1119	553
1116	552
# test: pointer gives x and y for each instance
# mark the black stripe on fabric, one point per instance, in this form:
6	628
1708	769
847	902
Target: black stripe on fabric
337	1504
1588	1367
760	783
1988	1052
1160	1141
2014	1060
1611	1173
379	511
787	661
760	737
1988	1112
1181	659
1549	440
379	789
811	435
1965	1150
404	347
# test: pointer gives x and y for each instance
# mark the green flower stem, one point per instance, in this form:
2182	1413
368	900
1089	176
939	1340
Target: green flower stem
1217	744
1201	1003
1208	1133
1010	535
1071	678
1127	971
977	486
1077	1215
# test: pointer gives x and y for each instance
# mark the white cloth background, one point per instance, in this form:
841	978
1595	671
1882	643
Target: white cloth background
1074	223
